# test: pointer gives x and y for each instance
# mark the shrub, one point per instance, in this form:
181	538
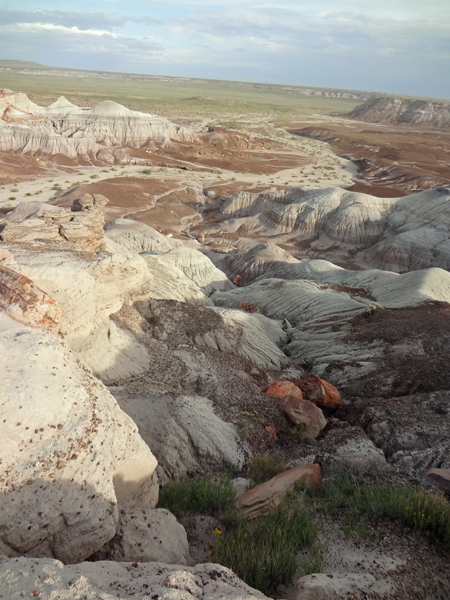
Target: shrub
12	198
95	176
371	309
28	194
147	171
354	388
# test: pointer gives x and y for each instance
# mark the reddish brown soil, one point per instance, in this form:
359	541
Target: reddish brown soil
417	348
16	167
393	160
223	149
140	198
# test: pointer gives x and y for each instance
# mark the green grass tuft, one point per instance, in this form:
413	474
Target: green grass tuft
197	496
263	551
419	511
263	468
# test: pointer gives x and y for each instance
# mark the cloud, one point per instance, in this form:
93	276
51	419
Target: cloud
83	21
364	45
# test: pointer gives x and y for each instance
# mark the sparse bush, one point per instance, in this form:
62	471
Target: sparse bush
263	468
400	353
113	169
28	194
354	388
147	171
56	187
12	198
95	176
15	189
371	309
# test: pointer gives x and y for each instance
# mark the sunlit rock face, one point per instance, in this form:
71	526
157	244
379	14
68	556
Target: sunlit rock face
75	132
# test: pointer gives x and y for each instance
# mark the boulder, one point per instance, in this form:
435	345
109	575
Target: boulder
320	392
260	499
145	535
321	586
441	478
26	302
45	578
283	389
70	458
304	413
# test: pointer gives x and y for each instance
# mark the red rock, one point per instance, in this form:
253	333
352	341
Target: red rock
254	309
26	302
259	499
283	389
237	279
271	430
243	305
305	413
319	392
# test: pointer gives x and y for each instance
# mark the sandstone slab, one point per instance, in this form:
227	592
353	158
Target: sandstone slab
261	498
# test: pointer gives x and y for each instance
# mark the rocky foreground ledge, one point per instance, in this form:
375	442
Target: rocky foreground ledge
122	369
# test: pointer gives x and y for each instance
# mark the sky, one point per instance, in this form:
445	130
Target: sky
394	46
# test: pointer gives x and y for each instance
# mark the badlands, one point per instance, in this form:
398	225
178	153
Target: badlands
186	300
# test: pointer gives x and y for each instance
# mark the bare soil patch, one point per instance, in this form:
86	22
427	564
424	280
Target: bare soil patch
392	160
417	348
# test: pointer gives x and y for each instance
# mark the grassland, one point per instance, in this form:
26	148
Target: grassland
193	99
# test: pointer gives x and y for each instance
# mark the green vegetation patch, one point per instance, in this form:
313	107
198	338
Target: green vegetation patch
198	496
263	551
419	511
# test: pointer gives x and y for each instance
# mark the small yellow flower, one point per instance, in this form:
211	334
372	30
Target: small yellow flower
217	531
407	508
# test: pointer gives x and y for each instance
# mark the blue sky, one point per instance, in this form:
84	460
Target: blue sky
398	46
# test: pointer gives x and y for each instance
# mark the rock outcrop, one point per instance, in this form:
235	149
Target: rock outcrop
396	234
403	111
96	134
70	457
26	577
82	225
